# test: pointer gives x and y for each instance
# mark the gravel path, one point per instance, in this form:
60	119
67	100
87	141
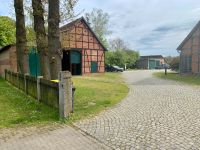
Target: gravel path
157	114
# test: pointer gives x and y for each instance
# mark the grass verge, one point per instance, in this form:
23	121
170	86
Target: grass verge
16	108
97	92
94	93
192	80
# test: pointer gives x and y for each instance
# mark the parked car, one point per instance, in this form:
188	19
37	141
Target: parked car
166	66
158	67
113	69
163	66
109	68
117	68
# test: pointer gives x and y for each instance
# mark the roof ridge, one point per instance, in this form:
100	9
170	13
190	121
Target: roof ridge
83	19
189	35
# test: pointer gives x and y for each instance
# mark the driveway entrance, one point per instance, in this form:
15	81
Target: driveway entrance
157	114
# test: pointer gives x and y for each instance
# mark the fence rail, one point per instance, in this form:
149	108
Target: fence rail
44	90
57	95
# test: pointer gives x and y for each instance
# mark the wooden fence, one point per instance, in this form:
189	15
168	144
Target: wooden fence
44	90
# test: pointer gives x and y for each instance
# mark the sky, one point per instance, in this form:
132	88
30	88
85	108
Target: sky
152	27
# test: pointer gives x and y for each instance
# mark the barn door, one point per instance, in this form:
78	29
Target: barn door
152	64
157	63
34	62
75	60
94	66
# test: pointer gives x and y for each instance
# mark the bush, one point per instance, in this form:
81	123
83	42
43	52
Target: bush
175	63
120	58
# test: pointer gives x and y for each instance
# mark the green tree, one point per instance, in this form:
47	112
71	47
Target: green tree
7	31
120	58
99	22
131	58
109	59
116	58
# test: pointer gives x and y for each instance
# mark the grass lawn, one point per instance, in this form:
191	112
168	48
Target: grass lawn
192	80
97	92
16	108
94	93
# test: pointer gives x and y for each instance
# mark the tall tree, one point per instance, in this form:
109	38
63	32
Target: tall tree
53	38
99	22
174	64
118	44
22	53
169	59
41	38
66	11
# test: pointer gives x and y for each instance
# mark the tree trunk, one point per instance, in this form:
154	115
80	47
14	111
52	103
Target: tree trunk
53	38
41	38
21	47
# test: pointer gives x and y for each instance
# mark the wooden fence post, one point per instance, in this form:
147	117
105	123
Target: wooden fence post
18	80
5	74
38	88
25	83
65	94
11	77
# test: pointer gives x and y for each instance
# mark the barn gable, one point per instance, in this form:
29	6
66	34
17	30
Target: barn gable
83	52
194	32
78	34
190	52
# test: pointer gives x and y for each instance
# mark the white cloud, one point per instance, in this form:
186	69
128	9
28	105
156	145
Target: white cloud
150	26
136	21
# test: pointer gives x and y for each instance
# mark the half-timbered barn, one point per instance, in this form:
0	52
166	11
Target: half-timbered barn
83	53
189	51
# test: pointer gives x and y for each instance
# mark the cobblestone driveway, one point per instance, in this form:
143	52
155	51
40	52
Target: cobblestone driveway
157	114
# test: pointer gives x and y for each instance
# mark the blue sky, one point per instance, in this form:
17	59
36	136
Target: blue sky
149	26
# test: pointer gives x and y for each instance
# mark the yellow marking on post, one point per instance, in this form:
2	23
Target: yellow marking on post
55	81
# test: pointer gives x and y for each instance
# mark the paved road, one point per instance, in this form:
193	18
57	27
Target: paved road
157	114
57	137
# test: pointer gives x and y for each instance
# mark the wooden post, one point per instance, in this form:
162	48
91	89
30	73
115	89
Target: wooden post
5	74
11	80
65	94
25	83
18	81
39	88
